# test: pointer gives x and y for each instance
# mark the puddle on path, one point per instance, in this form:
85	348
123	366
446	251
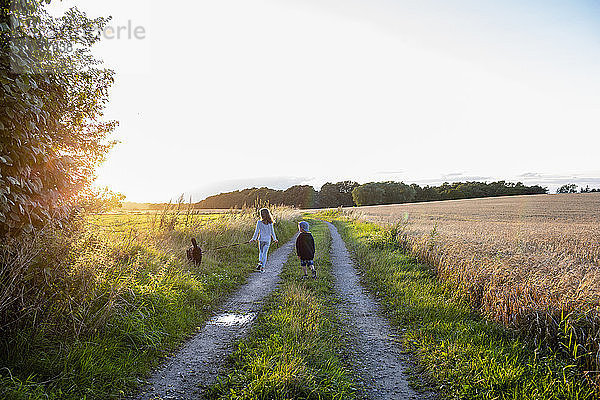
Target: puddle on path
229	319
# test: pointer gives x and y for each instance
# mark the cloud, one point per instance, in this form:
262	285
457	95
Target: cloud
453	174
398	172
530	175
454	177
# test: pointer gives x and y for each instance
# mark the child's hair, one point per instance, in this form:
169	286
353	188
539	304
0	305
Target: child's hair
266	216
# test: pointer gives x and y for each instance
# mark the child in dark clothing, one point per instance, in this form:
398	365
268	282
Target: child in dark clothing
305	248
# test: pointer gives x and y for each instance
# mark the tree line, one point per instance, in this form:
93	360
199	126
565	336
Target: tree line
349	193
572	188
300	196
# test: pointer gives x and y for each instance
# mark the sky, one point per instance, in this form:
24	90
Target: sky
223	95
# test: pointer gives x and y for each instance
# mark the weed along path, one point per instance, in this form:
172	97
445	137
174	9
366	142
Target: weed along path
376	355
197	363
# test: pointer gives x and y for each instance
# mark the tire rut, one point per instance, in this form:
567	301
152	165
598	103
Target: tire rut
197	363
377	356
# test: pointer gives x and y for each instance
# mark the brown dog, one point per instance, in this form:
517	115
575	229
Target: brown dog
194	253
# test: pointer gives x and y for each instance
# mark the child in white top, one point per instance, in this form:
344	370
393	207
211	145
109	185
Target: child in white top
264	232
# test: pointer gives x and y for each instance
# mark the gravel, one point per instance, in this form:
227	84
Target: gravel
376	354
197	363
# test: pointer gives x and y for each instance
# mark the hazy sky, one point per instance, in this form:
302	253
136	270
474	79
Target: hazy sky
221	95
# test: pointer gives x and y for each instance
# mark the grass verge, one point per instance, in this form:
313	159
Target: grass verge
118	301
464	355
293	351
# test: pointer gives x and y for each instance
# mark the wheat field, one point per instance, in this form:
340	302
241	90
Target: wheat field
529	262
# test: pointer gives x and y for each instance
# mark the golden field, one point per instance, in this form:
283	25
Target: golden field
527	261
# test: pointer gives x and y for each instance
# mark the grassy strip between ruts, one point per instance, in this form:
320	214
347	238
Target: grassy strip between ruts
464	355
293	352
136	301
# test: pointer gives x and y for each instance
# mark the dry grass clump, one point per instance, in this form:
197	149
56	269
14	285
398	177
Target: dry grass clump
83	272
530	262
87	307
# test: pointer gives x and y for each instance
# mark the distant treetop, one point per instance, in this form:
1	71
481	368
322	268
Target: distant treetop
349	193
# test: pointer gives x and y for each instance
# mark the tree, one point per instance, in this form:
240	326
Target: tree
53	93
368	194
301	196
568	188
336	194
588	190
242	198
426	193
383	193
100	201
397	192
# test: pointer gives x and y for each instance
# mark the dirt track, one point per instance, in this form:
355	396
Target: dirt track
197	363
376	354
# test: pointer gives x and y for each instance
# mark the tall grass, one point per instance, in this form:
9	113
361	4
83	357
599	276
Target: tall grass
464	354
294	350
102	300
530	263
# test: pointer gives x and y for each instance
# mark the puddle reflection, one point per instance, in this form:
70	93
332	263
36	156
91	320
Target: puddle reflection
232	319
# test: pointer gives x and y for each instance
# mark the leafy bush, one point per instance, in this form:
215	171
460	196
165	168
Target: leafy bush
93	305
51	133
